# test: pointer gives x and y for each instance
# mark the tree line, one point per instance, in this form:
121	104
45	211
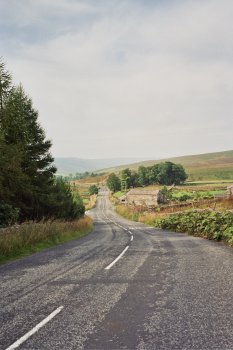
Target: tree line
29	189
79	176
166	173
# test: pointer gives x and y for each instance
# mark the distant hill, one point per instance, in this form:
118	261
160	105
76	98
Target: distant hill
201	167
67	166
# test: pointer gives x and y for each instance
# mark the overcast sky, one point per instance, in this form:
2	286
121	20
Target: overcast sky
125	78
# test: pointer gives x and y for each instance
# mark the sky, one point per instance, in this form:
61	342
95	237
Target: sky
125	78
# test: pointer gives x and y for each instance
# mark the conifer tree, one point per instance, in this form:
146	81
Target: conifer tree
27	180
21	128
10	155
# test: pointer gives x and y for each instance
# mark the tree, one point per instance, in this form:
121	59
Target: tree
126	179
93	189
153	173
170	173
62	203
21	129
113	183
164	176
5	86
143	179
134	179
11	175
27	180
179	174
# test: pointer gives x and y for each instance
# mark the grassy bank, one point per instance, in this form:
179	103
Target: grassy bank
25	239
206	223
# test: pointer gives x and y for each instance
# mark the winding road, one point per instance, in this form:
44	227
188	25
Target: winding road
124	286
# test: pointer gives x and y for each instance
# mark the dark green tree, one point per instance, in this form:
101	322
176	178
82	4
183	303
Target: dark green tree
27	180
63	203
143	178
113	183
21	129
93	189
11	175
126	179
5	86
170	173
179	174
134	179
153	172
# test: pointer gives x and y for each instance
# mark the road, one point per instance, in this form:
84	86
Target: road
125	286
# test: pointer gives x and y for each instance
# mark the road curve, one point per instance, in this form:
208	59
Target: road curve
125	286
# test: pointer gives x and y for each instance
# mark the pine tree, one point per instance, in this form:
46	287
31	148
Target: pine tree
10	155
27	180
5	85
21	128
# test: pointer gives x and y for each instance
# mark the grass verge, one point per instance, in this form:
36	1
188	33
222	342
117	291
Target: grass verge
205	223
31	237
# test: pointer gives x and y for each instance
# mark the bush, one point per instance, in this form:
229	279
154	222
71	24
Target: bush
184	197
207	224
8	215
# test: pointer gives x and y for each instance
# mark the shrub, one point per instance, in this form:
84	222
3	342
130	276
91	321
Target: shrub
8	214
207	224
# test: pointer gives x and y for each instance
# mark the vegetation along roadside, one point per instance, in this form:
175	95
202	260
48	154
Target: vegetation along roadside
205	223
30	237
37	208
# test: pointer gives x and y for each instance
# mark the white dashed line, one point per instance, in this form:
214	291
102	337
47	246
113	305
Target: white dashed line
34	330
131	239
118	258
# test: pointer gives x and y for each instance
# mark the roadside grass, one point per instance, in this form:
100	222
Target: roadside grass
31	237
119	194
143	214
91	202
211	219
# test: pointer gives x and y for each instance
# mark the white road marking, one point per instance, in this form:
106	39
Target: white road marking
131	238
118	258
35	329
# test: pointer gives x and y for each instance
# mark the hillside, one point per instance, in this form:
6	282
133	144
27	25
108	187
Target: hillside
201	167
67	166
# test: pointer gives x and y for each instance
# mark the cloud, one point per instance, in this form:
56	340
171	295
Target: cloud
133	78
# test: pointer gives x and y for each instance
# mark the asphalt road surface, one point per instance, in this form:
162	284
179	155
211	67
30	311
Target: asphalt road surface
125	286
